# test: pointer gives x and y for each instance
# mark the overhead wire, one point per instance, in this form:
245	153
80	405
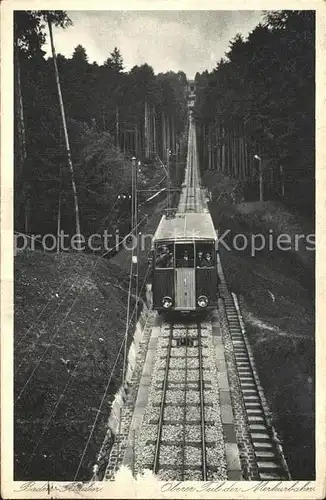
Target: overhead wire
57	290
64	281
46	350
100	256
45	307
125	339
40	338
128	322
70	309
123	344
62	394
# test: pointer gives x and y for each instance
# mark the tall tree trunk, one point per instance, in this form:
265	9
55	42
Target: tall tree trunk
139	152
243	175
136	141
154	130
227	152
59	216
282	180
64	124
21	180
230	153
234	153
146	131
210	146
220	148
150	131
214	144
173	136
117	127
163	137
150	128
217	160
232	170
20	114
205	141
223	151
247	164
168	136
239	146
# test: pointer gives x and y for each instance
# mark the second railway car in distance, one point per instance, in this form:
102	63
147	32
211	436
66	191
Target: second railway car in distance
184	263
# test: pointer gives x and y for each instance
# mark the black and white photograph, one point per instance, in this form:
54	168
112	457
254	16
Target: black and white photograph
159	282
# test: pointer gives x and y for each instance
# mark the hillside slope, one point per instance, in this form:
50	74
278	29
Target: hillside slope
276	293
70	319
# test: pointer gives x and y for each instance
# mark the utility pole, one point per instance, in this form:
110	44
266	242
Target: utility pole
137	238
177	162
168	177
134	223
133	168
146	131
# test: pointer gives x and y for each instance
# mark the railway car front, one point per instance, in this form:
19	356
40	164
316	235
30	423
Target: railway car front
185	275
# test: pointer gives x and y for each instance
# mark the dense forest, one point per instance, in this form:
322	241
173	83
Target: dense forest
256	110
111	116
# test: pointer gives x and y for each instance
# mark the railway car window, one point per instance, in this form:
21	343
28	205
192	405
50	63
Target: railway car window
204	255
185	255
164	257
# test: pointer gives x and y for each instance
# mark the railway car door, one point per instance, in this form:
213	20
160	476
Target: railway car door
185	289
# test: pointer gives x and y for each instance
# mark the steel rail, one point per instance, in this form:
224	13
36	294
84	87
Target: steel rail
202	411
184	412
160	422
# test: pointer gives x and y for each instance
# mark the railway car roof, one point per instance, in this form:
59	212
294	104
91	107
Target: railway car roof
186	226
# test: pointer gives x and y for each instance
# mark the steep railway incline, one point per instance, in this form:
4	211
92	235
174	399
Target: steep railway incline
200	412
192	198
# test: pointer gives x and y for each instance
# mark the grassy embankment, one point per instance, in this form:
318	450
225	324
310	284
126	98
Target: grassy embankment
276	292
70	319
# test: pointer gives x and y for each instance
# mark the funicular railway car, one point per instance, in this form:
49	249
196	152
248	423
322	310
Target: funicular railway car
184	263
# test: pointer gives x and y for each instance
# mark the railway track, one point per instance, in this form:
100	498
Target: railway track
185	439
182	435
190	200
192	350
269	458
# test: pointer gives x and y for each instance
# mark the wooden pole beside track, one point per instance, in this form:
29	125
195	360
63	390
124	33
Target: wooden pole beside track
168	177
134	223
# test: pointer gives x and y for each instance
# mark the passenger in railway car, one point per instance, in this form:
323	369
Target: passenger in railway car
207	260
184	261
164	258
169	258
161	256
199	258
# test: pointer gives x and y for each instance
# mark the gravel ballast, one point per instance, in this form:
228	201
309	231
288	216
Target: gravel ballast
181	436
